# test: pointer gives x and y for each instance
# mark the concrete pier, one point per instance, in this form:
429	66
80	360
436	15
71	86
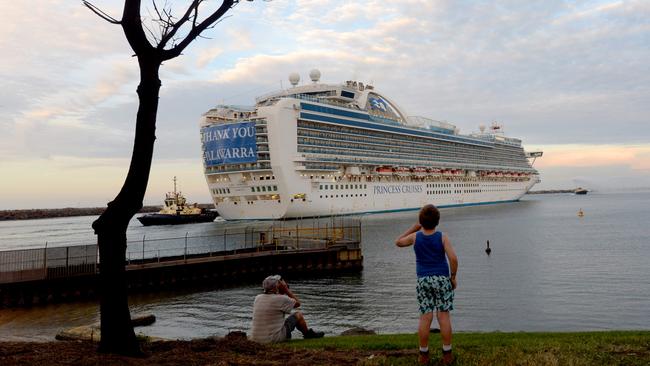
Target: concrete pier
38	276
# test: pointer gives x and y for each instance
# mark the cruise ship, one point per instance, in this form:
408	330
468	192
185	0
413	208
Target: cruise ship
337	149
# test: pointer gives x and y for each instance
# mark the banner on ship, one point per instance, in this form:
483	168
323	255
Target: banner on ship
229	144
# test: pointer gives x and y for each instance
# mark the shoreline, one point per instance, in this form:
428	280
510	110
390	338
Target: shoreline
475	348
49	213
551	191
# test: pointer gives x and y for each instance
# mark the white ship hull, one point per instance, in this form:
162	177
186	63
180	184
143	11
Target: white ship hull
312	158
319	202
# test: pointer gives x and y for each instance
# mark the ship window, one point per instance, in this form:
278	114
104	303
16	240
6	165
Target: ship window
275	188
252	189
347	94
321	187
263	188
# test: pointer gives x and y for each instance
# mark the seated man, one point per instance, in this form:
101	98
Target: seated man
269	324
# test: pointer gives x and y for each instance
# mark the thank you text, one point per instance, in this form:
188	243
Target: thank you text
229	144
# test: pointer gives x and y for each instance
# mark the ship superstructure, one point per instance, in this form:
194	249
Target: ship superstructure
329	149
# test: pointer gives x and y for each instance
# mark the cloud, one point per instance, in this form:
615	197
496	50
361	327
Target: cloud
555	73
635	157
208	55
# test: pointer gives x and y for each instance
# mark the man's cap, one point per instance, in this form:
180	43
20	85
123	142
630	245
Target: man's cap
270	283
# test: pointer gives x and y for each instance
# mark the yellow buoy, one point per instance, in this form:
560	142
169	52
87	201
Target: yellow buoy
580	213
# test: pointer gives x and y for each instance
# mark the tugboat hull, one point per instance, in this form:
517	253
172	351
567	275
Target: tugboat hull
168	219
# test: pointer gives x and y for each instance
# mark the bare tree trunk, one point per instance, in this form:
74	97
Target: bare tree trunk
117	335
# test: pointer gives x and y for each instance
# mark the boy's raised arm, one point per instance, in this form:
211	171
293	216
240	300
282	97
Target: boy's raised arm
408	237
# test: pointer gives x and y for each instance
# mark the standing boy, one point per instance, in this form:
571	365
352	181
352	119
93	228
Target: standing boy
436	283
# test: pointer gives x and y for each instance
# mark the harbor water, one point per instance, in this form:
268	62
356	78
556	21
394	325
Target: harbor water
549	270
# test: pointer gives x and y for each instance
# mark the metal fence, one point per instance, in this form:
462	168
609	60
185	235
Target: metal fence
65	261
45	263
280	235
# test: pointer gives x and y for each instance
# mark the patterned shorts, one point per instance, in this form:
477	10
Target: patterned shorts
435	294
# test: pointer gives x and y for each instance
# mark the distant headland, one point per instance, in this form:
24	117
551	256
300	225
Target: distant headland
45	213
548	191
48	213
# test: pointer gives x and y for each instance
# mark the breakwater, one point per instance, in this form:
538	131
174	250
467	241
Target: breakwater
46	213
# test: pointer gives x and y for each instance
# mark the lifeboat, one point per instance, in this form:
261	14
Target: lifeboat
435	171
446	172
403	171
385	170
420	172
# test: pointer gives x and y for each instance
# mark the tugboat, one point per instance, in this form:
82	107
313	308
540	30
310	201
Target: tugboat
580	190
176	211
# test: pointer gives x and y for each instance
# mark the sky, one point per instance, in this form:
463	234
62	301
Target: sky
570	78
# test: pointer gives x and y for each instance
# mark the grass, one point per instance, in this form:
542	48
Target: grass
581	348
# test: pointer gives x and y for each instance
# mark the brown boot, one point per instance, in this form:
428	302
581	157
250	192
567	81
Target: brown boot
423	359
447	357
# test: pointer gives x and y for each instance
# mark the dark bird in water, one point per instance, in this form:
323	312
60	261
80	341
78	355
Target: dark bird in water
488	250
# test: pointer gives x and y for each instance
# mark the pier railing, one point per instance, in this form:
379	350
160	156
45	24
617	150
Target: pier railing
294	235
41	263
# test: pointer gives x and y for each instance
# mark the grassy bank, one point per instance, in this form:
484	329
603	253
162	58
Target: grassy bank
592	348
584	348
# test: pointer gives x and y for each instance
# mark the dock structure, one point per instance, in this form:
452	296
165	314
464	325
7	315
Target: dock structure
226	257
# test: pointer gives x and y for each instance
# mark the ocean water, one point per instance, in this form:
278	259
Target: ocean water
549	270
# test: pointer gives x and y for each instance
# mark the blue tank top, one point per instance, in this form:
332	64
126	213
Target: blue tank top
430	259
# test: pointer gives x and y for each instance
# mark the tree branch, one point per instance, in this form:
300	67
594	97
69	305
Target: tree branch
133	29
100	13
176	26
196	31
